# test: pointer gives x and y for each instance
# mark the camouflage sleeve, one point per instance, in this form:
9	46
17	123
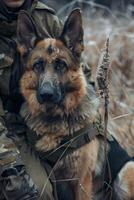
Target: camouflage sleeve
6	55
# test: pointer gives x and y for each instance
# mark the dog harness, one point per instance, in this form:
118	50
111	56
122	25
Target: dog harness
70	143
117	156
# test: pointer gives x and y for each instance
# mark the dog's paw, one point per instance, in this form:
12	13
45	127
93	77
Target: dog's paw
47	143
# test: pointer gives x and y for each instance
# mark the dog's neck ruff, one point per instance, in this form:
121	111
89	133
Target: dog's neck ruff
43	123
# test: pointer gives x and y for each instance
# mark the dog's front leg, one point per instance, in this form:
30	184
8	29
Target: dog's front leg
84	188
124	184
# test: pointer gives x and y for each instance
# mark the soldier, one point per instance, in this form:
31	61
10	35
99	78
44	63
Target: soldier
15	182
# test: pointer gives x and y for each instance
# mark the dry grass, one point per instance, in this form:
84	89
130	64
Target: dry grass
120	29
121	74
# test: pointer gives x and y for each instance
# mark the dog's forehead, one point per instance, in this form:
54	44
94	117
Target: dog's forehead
50	46
50	49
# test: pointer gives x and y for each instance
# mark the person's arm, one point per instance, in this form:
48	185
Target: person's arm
47	23
15	183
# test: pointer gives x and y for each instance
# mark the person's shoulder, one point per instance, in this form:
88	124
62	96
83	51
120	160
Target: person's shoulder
42	6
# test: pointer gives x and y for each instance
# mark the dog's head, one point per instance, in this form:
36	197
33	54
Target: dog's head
53	79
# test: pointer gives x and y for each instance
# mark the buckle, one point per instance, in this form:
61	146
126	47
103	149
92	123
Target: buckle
87	138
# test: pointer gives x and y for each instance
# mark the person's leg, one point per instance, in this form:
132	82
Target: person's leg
16	184
37	172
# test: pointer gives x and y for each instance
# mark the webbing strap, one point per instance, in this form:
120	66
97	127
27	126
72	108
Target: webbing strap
70	143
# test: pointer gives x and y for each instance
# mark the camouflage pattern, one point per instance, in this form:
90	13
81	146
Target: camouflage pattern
16	183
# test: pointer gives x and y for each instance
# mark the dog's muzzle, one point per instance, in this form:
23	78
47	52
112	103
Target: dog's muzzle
48	93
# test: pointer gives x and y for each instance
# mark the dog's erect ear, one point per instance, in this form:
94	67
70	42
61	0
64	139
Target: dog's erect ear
26	31
72	34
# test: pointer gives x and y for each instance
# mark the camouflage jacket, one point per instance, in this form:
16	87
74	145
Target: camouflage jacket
47	24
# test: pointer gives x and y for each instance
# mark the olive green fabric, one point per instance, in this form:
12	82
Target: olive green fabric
47	22
37	172
45	19
8	151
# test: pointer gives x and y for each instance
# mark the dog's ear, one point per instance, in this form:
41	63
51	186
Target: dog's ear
26	31
72	34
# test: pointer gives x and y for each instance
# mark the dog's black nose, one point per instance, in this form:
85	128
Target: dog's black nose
45	93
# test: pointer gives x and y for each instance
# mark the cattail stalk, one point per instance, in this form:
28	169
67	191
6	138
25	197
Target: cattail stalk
102	80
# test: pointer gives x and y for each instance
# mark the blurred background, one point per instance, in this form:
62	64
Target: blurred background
113	19
112	4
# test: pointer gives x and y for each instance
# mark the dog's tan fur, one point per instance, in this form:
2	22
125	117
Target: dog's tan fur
79	105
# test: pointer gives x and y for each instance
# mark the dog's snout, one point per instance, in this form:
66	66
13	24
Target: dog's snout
45	92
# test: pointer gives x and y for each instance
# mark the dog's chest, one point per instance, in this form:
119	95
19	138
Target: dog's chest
75	165
51	134
69	167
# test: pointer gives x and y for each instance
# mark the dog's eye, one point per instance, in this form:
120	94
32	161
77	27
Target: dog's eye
39	65
60	66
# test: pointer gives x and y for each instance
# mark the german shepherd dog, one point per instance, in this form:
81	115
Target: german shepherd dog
60	103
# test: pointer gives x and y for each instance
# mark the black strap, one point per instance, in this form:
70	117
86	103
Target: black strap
69	144
117	158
